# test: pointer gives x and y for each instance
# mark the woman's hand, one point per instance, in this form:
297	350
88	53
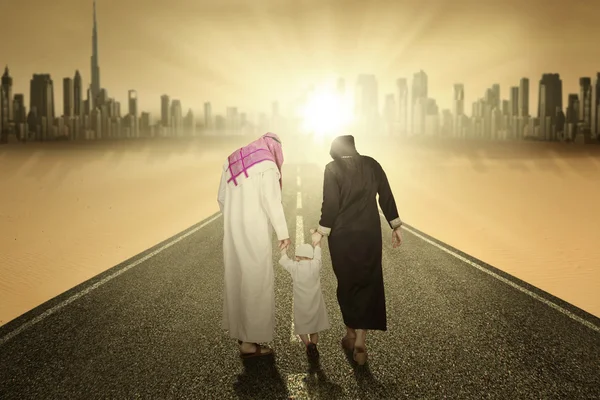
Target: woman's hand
316	237
397	237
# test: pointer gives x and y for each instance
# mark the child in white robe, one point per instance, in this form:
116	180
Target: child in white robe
310	314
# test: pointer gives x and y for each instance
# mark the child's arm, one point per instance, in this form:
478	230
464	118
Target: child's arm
285	262
317	261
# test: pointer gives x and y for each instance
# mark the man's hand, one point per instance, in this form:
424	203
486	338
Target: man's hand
397	237
284	244
316	237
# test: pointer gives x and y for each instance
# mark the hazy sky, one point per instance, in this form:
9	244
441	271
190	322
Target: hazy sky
250	52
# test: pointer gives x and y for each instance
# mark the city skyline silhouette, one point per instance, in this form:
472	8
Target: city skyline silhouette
384	44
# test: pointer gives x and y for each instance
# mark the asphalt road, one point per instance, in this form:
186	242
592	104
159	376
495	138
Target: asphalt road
150	328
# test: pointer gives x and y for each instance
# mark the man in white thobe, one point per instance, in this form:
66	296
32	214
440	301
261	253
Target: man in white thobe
250	200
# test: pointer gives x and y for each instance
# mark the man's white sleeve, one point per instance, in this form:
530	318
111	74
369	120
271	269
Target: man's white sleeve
222	187
271	200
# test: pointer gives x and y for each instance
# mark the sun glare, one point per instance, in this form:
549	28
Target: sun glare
326	113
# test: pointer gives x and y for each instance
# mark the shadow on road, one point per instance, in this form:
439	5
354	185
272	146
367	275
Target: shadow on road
368	386
260	380
317	383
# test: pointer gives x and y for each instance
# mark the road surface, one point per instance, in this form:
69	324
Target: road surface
150	328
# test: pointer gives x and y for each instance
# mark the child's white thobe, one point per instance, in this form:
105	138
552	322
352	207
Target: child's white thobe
310	314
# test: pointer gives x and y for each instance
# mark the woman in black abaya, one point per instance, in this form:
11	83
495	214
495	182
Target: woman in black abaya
351	222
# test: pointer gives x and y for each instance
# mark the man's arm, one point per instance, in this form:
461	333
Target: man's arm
331	202
271	201
222	187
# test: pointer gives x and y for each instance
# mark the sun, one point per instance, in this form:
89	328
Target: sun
326	113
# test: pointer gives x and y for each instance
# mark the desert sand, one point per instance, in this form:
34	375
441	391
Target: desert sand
69	211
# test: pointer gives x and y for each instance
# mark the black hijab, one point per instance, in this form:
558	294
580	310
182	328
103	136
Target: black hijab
343	146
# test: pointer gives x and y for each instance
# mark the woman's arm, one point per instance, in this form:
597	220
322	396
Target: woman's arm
331	202
386	199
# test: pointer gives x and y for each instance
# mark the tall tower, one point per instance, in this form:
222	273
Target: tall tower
459	99
514	102
550	100
585	102
208	120
68	97
77	95
595	106
95	88
458	109
524	97
419	94
165	104
133	111
7	83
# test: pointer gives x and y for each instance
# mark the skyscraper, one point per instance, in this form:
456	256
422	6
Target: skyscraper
3	116
585	102
208	120
133	111
458	110
572	116
524	97
165	110
189	123
402	85
7	83
514	101
77	95
19	111
459	99
419	87
177	118
595	128
68	97
550	100
95	87
418	96
41	96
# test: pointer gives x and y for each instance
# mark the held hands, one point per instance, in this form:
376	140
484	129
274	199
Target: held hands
397	237
316	237
284	244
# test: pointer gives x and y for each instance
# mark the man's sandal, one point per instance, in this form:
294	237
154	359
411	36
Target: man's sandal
258	352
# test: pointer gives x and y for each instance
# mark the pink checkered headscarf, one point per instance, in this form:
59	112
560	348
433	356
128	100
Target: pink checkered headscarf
267	147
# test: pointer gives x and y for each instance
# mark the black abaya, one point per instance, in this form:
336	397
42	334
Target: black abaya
350	217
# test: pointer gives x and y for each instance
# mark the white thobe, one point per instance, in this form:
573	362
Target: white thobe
310	313
251	211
